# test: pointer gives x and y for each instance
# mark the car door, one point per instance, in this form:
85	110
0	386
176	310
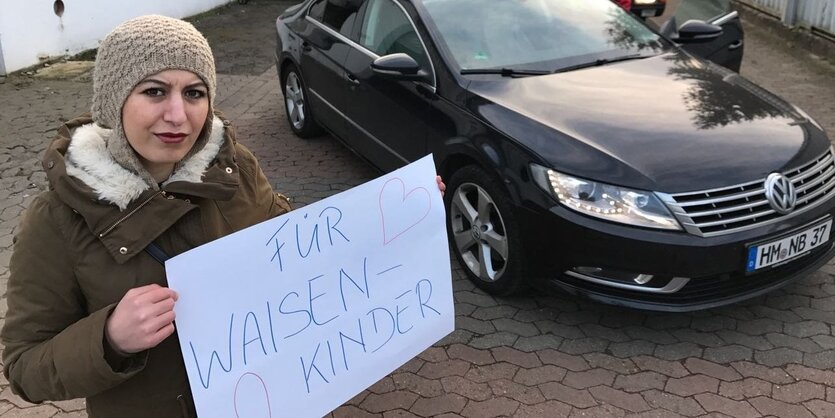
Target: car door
386	116
325	45
728	48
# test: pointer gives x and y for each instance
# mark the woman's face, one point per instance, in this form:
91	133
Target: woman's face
162	118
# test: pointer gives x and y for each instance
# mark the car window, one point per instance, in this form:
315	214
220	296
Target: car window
338	15
537	34
387	30
705	10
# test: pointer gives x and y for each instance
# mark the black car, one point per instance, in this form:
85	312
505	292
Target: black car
581	150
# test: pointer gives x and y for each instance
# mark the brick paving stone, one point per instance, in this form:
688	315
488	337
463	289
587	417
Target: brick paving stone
493	312
714	324
495	407
412	365
821	408
699	366
787	301
569	395
825	377
76	414
383	402
476	326
770	374
799	392
651	335
584	345
458	336
825	341
815	314
579	317
605	361
773	407
704	339
430	407
824	304
821	360
806	329
600	411
539	375
523	329
466	388
509	389
533	316
538	342
678	351
7	395
624	400
754	342
560	330
475	298
654	413
434	354
669	368
519	358
640	382
778	357
784	315
691	385
351	411
830	394
419	385
469	354
589	378
805	345
715	403
750	387
481	374
551	409
39	411
400	413
383	385
556	358
632	349
496	339
606	333
674	403
444	368
760	326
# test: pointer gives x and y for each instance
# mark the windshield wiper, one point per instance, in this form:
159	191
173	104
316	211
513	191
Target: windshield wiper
504	72
601	61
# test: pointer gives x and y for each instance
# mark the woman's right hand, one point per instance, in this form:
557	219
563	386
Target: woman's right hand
142	319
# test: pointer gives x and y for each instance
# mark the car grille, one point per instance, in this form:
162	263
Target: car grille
731	209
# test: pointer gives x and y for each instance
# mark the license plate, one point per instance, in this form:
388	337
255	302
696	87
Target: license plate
785	249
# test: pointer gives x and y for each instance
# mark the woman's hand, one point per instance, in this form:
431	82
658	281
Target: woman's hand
142	319
441	185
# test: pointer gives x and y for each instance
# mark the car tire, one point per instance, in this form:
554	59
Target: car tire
296	104
486	244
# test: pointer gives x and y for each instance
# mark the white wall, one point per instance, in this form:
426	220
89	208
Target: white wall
29	28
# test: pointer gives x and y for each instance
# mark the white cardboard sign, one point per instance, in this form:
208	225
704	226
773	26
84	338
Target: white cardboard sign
295	316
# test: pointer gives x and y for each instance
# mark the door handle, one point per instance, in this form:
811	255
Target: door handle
352	79
306	47
735	45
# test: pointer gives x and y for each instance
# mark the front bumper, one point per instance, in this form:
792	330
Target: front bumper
714	268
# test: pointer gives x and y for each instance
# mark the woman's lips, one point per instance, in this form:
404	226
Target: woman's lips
170	137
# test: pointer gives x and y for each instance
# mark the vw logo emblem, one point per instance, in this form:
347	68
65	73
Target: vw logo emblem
780	193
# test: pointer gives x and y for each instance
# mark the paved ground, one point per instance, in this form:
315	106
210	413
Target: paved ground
537	356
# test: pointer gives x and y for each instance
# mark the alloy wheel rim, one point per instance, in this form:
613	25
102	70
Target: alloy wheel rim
294	100
479	232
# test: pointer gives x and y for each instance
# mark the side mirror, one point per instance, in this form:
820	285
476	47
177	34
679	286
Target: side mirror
697	31
398	66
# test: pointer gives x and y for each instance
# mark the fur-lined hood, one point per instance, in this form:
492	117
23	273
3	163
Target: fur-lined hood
88	160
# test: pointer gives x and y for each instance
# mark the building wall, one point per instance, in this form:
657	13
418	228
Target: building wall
812	14
30	28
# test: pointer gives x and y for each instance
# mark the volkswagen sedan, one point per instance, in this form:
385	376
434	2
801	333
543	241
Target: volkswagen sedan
582	150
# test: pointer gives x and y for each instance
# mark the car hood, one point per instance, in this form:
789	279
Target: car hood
668	123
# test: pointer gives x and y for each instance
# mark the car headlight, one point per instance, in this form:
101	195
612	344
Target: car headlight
612	203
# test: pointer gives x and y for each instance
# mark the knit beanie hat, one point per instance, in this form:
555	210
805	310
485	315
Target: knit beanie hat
134	50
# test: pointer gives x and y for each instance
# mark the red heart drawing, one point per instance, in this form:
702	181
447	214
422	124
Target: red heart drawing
401	211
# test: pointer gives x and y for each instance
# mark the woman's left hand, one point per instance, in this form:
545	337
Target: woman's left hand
441	185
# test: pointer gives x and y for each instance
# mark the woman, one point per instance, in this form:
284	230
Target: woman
90	314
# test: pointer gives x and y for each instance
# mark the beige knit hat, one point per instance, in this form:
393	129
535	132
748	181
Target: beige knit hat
133	51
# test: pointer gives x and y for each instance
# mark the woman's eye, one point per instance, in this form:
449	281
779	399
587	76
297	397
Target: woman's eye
153	92
195	94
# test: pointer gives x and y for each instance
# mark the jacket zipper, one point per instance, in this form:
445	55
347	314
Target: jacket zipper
111	227
183	408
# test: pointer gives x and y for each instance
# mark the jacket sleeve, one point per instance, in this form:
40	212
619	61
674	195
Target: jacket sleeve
272	202
54	350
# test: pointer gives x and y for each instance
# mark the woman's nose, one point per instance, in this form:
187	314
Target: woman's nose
175	111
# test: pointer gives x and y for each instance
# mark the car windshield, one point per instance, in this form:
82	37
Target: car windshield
542	35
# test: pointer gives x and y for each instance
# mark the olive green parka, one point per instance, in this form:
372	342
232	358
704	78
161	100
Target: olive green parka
80	248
